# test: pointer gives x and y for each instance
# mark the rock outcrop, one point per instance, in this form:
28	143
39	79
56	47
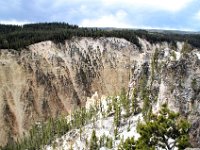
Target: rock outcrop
169	75
48	79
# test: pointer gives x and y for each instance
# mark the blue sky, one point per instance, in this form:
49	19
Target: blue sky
160	14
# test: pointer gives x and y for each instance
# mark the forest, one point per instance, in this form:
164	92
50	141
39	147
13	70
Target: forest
19	37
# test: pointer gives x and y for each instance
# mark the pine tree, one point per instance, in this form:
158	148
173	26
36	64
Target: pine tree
109	108
160	128
80	133
102	141
125	102
129	128
86	142
116	133
117	116
109	143
94	141
129	144
134	103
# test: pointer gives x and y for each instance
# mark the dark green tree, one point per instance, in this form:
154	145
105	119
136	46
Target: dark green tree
134	102
94	141
117	115
128	144
165	130
109	143
124	101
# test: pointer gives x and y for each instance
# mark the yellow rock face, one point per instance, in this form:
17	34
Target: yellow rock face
49	79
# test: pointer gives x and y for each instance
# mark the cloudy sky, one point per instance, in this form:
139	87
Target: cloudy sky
161	14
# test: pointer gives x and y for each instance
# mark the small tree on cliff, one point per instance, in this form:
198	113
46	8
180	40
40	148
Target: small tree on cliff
94	141
124	101
128	144
165	130
117	115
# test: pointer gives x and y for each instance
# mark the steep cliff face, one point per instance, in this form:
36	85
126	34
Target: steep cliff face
49	79
169	75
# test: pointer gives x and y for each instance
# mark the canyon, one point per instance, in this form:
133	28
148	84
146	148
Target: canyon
49	79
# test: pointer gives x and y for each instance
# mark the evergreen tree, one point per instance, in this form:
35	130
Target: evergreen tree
109	108
17	37
116	133
102	141
94	141
117	115
109	143
129	128
129	144
125	102
134	103
161	128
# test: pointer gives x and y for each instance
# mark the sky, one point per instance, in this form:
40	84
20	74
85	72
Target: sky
144	14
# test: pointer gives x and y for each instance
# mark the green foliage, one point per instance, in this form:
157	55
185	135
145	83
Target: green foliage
128	144
116	133
144	91
17	37
134	103
102	141
105	141
45	133
124	101
109	142
91	113
129	129
109	108
41	134
117	115
160	128
155	58
146	101
155	132
80	117
154	64
94	141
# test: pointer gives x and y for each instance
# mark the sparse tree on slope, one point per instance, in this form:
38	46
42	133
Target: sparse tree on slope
125	102
94	141
128	144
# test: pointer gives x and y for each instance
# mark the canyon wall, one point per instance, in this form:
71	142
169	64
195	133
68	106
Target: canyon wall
48	79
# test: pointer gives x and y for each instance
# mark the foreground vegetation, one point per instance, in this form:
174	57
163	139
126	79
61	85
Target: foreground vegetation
45	133
18	37
165	129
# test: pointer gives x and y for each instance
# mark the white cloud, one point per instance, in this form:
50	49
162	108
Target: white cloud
118	20
14	22
59	3
197	16
167	5
164	28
